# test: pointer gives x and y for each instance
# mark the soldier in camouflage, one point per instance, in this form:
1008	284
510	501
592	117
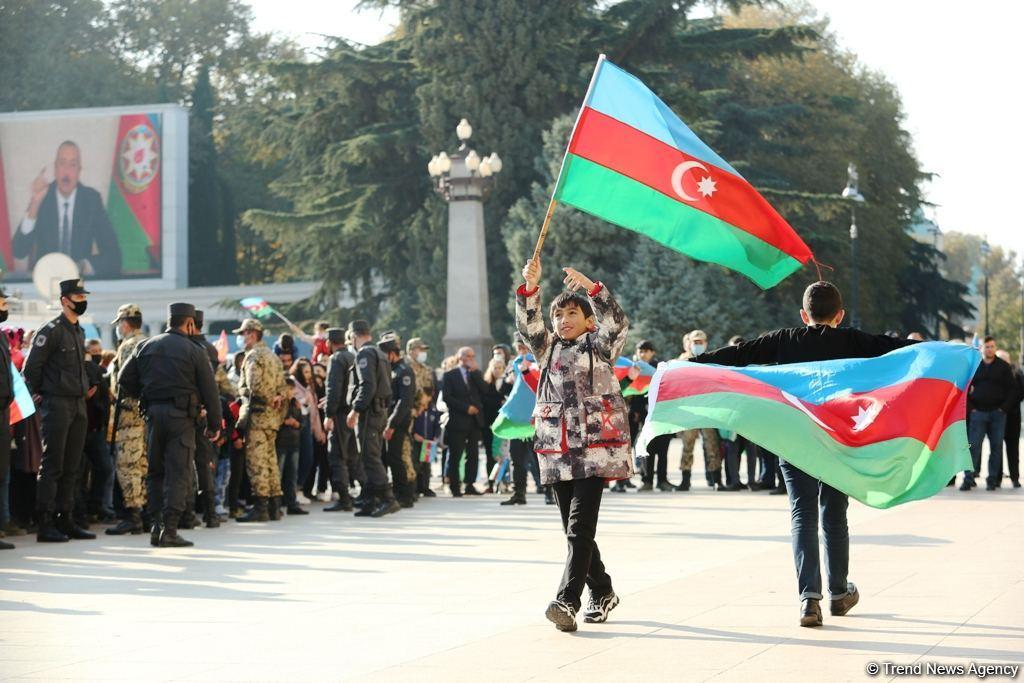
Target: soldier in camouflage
582	428
262	390
130	461
398	453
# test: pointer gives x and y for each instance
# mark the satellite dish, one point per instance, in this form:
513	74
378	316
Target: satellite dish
50	271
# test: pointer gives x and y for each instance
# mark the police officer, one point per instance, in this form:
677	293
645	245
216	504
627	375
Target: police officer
341	440
172	376
206	456
370	390
6	396
55	374
396	431
129	438
262	390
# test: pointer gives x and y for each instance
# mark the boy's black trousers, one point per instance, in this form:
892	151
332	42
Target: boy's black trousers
579	502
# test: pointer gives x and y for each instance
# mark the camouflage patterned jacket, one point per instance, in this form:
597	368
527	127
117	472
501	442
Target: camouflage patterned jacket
263	380
581	421
129	406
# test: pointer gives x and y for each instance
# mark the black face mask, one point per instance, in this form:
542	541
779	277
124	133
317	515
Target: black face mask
79	306
3	316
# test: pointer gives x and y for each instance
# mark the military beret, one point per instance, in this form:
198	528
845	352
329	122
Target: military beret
415	343
360	327
69	287
248	325
127	311
336	335
187	310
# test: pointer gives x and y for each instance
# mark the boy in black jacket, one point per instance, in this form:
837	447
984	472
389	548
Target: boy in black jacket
820	339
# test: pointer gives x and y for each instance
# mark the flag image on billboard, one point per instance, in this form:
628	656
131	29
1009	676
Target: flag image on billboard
85	183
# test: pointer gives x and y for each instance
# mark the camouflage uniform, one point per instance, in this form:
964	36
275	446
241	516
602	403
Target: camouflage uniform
712	450
581	422
130	440
262	381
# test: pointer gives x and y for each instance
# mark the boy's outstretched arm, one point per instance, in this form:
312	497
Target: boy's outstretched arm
529	316
612	323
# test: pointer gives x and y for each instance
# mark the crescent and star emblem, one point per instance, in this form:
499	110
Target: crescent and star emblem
706	186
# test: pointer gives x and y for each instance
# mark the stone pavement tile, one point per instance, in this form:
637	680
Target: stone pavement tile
114	671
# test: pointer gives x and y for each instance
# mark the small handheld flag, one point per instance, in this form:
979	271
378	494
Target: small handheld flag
258	307
515	419
22	406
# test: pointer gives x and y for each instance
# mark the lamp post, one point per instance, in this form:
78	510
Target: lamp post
464	179
851	193
985	251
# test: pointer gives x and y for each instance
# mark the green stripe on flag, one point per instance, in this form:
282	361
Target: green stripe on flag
881	474
131	238
505	428
633	205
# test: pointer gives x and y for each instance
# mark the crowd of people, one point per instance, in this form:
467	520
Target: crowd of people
361	424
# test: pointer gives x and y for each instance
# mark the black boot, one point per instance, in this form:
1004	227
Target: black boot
154	533
274	509
684	485
516	499
369	504
343	504
296	509
147	521
131	524
67	526
549	495
48	532
258	513
169	537
387	506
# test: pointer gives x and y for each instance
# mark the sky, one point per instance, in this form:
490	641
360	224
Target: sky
954	66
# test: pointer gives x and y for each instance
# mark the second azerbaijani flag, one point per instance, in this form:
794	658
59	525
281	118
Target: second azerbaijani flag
633	162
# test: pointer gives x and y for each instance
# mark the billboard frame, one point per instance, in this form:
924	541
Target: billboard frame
174	190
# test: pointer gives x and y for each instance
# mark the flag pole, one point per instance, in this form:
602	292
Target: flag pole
551	205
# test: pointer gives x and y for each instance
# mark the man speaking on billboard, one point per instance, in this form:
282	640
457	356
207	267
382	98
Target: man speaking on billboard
67	216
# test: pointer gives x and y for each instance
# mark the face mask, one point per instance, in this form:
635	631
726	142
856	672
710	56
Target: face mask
119	334
240	341
421	357
698	349
3	316
79	307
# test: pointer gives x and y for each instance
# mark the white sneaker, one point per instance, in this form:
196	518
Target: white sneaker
301	499
598	609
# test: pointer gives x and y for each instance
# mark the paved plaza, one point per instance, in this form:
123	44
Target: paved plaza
455	590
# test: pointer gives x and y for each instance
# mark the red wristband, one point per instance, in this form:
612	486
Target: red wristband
598	286
523	291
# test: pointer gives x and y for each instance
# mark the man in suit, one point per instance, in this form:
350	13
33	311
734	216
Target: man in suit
68	217
463	389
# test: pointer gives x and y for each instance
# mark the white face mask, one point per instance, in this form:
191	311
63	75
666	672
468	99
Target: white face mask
240	341
698	349
421	357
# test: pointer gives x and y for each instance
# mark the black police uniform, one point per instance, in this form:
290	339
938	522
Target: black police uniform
341	445
205	454
403	392
370	391
55	370
172	376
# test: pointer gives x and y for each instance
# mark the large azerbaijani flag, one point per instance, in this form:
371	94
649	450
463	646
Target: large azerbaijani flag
633	162
515	419
883	430
133	203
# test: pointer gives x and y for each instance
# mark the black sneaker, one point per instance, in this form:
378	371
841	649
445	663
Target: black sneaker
598	609
810	612
844	604
563	616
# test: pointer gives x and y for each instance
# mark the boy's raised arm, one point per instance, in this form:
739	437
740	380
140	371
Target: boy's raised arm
529	316
612	323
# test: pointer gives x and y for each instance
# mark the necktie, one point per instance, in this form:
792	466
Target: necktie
65	232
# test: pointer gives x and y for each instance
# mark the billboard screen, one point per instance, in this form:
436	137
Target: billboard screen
87	184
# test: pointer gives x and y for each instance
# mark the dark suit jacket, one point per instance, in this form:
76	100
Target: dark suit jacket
459	397
6	381
92	234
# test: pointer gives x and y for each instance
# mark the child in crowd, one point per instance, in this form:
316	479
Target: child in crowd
582	428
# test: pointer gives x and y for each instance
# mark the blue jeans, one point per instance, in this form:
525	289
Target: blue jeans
990	423
288	462
223	476
806	495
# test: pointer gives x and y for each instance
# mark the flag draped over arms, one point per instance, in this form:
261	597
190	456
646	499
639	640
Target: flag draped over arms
633	162
883	430
515	419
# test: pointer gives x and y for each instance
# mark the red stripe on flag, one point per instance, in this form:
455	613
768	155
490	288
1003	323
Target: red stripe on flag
637	155
888	413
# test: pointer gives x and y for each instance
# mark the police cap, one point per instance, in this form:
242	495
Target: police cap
182	309
360	327
69	287
336	335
